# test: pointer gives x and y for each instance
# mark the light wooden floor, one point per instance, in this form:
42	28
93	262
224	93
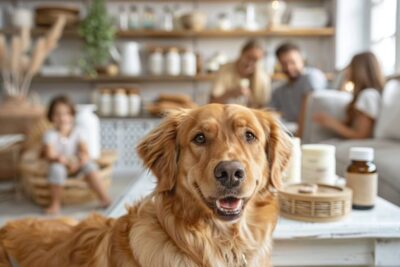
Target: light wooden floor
12	208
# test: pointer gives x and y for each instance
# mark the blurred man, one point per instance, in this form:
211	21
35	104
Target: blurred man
289	98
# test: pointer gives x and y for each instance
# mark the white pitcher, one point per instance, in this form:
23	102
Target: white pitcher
129	63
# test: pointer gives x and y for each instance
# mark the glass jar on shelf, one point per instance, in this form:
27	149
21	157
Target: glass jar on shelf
105	103
172	62
189	66
123	18
168	19
156	61
223	22
134	102
240	16
134	19
120	103
149	18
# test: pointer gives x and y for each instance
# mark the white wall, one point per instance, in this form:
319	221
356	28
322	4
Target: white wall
352	34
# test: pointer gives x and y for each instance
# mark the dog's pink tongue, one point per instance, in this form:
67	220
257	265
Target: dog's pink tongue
229	203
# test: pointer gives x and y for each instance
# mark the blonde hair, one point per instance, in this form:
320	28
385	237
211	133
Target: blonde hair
260	94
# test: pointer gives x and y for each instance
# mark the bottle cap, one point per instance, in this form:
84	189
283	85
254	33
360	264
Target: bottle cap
362	153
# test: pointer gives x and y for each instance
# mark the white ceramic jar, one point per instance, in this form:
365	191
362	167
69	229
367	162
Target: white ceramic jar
189	65
318	164
156	61
173	62
87	121
120	103
105	103
134	103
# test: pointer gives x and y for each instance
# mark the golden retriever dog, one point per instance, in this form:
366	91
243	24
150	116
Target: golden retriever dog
217	168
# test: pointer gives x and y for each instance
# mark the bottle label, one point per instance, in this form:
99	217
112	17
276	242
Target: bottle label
364	186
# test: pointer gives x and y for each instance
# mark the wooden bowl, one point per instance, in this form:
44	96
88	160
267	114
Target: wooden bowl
194	21
315	202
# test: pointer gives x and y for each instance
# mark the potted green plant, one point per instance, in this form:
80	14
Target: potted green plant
98	32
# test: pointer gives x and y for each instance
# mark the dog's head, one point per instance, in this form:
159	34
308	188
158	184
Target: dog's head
221	155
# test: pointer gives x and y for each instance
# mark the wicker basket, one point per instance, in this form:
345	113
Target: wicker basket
315	203
76	190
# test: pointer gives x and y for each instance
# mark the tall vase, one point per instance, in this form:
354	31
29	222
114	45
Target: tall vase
88	122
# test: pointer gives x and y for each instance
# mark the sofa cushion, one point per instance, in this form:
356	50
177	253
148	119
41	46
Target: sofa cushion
331	102
388	124
386	157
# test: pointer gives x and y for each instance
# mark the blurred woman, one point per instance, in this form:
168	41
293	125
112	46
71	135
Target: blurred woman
365	73
243	81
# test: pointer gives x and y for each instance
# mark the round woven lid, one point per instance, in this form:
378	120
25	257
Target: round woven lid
315	190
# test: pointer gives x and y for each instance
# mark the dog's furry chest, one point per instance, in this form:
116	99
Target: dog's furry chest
169	243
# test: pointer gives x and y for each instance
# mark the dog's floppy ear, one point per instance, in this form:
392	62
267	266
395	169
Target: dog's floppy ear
278	147
159	150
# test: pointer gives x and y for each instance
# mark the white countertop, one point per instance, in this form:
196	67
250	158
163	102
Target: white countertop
381	222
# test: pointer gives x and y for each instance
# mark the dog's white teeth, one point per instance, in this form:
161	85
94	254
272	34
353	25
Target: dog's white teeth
230	206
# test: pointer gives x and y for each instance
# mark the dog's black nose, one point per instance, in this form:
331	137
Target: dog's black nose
229	173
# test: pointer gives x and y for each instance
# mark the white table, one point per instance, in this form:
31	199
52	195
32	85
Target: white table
364	238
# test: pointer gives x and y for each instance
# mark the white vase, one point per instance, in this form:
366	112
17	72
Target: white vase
87	121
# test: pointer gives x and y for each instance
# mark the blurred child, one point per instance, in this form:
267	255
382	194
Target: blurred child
67	152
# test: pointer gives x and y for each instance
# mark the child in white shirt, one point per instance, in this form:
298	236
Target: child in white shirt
66	149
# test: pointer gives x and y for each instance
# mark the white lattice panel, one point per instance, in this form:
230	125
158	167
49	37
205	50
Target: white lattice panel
122	135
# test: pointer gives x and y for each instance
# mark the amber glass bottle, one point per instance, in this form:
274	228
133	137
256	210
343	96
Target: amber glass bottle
362	177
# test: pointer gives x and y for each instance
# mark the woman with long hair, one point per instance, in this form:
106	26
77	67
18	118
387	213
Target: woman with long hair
365	73
243	81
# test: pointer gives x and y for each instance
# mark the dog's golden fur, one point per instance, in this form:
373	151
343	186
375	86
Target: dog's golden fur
176	225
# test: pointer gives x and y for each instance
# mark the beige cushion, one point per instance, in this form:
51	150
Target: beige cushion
388	124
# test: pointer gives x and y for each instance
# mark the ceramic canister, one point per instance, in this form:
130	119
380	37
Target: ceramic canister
318	164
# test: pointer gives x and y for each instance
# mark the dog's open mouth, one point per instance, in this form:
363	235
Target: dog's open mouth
229	208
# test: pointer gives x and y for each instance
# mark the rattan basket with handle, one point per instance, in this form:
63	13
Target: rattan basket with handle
315	202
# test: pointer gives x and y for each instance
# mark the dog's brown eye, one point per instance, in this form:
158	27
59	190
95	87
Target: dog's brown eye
199	139
250	137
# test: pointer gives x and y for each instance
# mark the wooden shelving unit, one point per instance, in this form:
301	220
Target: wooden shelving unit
142	79
208	33
322	35
123	79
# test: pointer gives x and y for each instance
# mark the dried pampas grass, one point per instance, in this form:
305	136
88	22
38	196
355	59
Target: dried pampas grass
55	33
18	66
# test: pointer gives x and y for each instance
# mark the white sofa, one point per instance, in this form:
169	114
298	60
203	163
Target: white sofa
386	141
